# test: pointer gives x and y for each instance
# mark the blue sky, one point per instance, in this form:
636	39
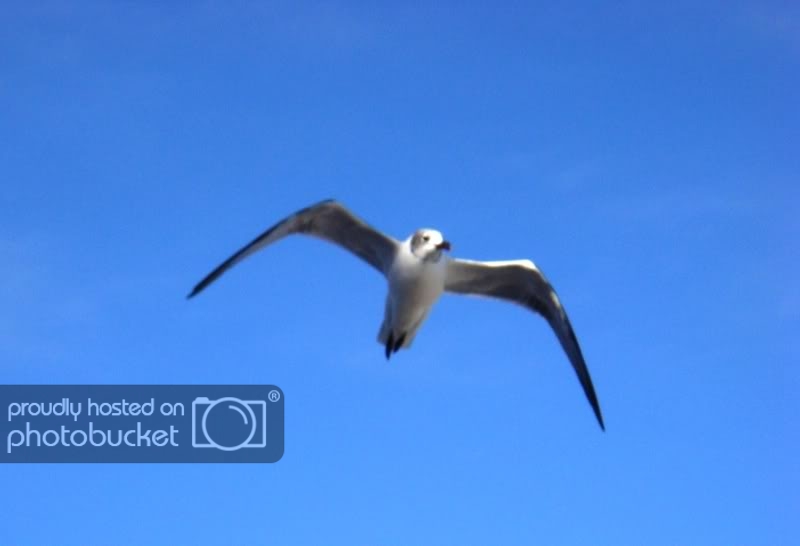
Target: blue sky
644	155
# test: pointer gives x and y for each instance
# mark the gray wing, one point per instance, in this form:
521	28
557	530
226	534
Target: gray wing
328	220
522	283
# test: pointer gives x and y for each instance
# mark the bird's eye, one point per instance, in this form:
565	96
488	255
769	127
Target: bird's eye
426	238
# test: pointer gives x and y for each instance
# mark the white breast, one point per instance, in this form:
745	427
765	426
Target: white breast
414	285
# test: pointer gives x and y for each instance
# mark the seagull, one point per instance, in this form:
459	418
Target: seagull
418	273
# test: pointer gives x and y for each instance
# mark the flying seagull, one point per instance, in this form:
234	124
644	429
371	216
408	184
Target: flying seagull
418	273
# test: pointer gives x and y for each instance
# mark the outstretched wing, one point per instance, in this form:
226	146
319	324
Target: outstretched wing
520	282
328	220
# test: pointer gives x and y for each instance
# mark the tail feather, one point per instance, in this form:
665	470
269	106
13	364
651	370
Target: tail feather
390	345
387	333
399	343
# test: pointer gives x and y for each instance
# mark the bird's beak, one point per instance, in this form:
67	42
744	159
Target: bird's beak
444	245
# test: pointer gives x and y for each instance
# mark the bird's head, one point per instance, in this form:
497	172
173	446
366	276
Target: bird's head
428	244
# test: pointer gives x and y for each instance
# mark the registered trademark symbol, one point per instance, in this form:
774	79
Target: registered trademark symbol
274	396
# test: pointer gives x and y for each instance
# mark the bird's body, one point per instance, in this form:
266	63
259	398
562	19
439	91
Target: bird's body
415	284
418	273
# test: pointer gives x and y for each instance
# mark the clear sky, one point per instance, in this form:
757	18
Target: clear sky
644	155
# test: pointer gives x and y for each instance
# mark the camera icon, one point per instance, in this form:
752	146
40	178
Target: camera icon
229	424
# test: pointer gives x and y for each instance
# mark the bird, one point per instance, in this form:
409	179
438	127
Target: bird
418	272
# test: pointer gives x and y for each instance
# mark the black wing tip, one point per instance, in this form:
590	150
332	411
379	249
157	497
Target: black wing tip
196	290
591	396
584	376
600	420
595	403
202	285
